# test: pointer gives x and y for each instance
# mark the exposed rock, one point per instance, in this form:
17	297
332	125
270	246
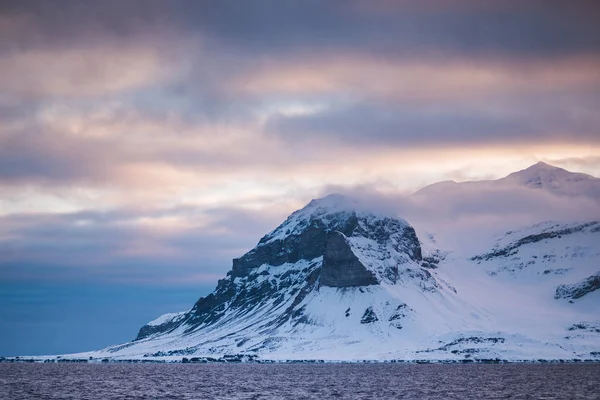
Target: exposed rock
307	244
587	326
402	311
472	340
580	289
149	330
341	267
369	316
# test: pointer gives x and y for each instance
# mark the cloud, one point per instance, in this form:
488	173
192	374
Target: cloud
383	124
152	246
590	163
509	29
396	78
86	48
80	72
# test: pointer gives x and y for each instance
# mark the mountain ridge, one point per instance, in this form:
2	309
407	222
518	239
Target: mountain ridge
340	281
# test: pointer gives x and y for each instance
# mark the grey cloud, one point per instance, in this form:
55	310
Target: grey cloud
523	29
534	28
208	43
468	124
36	155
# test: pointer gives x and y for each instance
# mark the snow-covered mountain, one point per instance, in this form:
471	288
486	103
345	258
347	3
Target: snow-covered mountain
542	176
338	280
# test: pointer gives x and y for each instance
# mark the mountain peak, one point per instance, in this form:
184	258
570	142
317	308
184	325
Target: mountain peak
333	211
555	180
333	202
542	175
342	205
542	166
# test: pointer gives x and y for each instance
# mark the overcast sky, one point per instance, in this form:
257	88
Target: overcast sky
143	144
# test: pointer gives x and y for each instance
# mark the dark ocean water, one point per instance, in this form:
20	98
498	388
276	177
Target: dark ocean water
299	381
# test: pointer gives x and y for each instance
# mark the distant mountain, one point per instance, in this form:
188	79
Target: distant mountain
555	180
338	280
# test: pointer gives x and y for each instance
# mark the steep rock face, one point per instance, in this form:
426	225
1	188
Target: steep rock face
341	267
306	244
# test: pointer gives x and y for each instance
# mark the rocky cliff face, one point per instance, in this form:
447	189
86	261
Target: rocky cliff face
341	267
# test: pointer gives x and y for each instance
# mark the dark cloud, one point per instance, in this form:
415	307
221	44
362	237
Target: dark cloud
405	126
36	23
532	28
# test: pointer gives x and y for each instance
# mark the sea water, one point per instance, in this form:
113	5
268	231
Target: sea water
299	381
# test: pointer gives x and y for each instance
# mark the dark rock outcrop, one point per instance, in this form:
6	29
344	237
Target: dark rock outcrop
149	330
341	268
369	316
586	326
580	289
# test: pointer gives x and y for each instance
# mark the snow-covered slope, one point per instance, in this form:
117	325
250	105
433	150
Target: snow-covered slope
340	281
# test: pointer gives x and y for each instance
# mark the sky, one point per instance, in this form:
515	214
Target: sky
144	144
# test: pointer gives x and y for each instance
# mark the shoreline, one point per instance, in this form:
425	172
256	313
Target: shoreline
223	360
